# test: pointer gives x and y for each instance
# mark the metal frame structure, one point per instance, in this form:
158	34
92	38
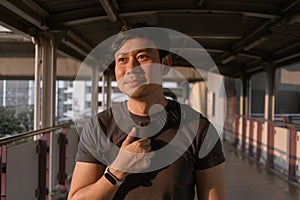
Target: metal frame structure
239	35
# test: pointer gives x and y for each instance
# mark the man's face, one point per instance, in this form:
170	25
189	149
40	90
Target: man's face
138	68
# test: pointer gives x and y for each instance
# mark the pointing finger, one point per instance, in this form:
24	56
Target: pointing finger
130	137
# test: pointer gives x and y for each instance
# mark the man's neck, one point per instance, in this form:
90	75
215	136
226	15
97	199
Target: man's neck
141	106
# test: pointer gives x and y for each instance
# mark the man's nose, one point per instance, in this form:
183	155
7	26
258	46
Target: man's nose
133	62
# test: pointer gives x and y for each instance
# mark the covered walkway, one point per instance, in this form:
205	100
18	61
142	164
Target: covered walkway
252	44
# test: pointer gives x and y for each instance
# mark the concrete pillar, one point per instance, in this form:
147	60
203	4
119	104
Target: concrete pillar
37	82
103	92
244	98
244	109
95	90
269	95
270	111
109	76
185	93
50	41
198	97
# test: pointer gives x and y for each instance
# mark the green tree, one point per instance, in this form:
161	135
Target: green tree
13	122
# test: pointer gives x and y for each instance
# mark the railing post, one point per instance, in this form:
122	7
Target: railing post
250	152
61	176
236	132
2	172
244	135
270	145
292	153
42	191
258	140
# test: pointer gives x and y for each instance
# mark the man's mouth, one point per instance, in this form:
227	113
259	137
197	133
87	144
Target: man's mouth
134	82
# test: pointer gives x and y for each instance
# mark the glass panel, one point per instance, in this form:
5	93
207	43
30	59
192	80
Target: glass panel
22	171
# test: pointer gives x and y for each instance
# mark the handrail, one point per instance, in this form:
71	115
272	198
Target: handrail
266	120
6	140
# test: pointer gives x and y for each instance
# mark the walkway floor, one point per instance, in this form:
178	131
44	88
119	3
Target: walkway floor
247	180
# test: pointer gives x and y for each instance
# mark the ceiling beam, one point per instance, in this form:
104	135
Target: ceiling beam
86	18
77	17
286	58
18	11
257	42
260	32
81	42
33	5
289	5
111	8
217	37
73	40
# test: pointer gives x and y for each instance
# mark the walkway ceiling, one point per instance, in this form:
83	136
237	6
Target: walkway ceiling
239	35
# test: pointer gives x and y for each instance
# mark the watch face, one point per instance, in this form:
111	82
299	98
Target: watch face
110	178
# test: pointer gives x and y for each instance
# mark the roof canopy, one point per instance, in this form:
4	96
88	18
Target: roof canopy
239	35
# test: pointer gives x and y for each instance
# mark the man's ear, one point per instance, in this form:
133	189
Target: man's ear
167	62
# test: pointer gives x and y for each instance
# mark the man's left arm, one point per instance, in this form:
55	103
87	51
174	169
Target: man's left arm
210	183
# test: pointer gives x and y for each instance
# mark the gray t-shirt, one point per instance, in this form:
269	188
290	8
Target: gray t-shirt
189	152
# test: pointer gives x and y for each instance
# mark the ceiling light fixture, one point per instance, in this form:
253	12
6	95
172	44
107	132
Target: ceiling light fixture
294	19
228	59
257	42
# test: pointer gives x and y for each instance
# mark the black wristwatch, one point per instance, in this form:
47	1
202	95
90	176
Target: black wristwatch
112	178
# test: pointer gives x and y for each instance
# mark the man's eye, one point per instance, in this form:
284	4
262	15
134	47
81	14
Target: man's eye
121	60
142	57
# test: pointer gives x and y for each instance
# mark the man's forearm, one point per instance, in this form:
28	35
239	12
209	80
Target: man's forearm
100	190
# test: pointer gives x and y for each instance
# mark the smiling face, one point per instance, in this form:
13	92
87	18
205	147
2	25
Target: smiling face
138	68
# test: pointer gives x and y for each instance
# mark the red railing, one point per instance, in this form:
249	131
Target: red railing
41	140
255	146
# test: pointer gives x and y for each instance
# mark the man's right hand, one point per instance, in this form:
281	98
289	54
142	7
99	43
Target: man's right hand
134	156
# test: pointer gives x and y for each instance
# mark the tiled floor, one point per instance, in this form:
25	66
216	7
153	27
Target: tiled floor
246	180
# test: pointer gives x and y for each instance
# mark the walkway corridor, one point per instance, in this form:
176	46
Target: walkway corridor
246	180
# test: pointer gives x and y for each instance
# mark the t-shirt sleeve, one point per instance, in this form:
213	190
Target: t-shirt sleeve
210	152
83	155
87	147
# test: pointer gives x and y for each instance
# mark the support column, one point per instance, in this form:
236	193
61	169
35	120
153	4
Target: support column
50	41
106	88
109	75
244	105
37	82
244	109
103	92
269	96
185	92
269	111
95	90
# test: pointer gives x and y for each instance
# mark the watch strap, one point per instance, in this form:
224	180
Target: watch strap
112	178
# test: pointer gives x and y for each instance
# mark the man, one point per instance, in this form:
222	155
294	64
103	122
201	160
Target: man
148	146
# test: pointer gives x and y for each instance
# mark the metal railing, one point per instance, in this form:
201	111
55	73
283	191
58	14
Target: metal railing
269	142
29	161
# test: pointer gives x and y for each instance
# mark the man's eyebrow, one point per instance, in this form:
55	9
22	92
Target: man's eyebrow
136	50
145	49
118	53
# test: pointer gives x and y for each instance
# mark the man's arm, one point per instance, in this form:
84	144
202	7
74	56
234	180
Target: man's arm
88	183
211	183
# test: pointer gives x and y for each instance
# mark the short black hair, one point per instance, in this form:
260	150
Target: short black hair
157	35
